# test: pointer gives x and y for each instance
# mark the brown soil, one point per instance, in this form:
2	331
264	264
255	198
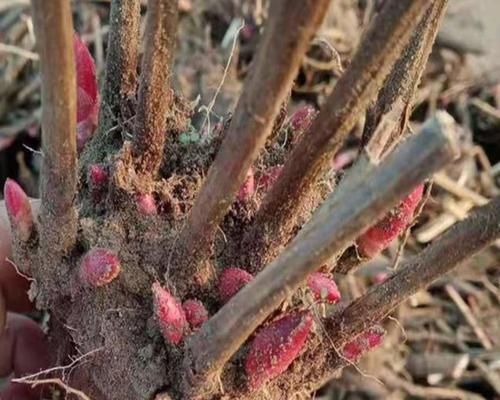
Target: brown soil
131	359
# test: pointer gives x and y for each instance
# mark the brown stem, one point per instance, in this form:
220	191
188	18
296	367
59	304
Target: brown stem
120	81
286	202
155	94
334	225
460	242
54	32
288	32
479	230
351	258
388	118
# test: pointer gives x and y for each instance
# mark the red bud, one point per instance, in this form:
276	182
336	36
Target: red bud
97	175
380	277
99	267
231	281
146	204
275	346
169	314
323	287
196	313
379	236
366	341
87	92
19	210
97	179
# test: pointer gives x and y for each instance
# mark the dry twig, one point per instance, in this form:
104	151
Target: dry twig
284	205
462	241
442	180
441	223
54	31
333	227
121	63
391	379
479	230
54	381
288	32
388	118
469	317
155	94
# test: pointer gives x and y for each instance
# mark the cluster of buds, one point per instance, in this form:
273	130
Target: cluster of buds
175	319
299	122
169	314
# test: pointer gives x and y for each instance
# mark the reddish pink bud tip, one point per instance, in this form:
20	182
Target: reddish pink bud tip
248	188
302	118
323	287
380	277
364	342
98	179
269	177
98	175
19	210
275	346
146	204
87	92
231	281
344	159
99	267
379	236
248	31
196	313
169	314
85	67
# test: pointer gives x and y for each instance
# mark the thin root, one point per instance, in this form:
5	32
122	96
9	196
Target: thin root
54	381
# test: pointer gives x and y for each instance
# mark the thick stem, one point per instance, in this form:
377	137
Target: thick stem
120	81
334	225
54	32
290	27
387	119
155	94
286	202
459	243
